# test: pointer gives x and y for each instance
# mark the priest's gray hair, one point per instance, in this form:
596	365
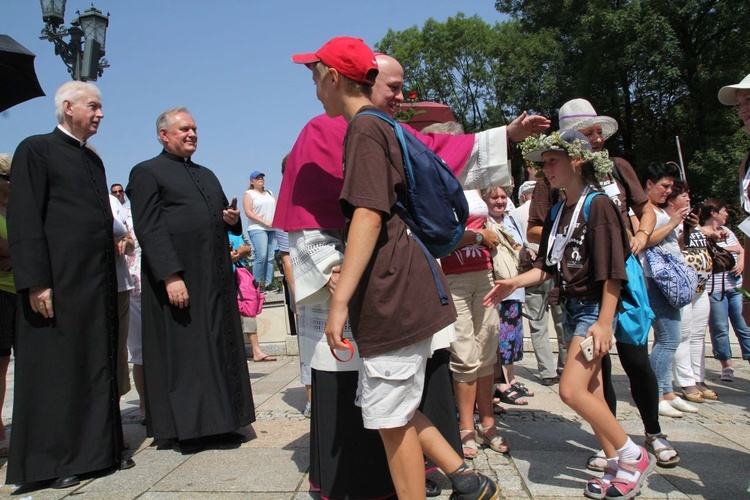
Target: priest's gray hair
166	119
450	128
5	160
73	91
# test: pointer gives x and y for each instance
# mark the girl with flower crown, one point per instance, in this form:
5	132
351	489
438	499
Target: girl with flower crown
584	250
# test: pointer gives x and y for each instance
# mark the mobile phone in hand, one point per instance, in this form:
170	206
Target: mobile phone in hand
233	205
587	348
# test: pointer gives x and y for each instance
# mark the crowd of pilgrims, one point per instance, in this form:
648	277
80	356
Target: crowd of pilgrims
176	241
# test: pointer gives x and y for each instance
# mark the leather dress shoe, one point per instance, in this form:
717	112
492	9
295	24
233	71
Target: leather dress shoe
550	381
126	463
65	482
431	488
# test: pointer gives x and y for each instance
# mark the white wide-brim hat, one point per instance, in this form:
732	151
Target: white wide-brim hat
727	95
578	114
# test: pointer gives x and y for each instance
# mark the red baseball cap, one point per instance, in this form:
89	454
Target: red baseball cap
349	56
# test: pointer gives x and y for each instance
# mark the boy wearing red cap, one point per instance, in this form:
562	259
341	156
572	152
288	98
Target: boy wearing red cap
386	286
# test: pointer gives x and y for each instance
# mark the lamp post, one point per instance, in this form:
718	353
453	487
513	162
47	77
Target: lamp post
84	53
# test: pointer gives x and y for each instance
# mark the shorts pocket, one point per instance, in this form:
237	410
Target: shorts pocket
391	370
389	392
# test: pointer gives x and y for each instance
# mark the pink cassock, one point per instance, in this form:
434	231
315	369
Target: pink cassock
312	182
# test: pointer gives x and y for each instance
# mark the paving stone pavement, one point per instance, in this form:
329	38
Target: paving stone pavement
550	445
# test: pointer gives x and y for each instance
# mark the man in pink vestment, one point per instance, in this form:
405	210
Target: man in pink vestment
309	200
309	193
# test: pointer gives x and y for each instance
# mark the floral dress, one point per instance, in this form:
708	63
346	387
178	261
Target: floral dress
510	337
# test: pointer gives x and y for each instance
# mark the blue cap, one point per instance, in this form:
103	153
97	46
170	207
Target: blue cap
256	173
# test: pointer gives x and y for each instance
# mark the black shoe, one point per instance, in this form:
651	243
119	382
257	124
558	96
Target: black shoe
551	380
487	490
65	482
228	438
163	444
126	463
190	446
431	488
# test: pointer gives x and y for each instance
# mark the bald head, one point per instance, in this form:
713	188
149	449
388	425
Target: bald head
387	93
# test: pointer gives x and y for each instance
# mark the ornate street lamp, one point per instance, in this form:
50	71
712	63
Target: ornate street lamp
84	53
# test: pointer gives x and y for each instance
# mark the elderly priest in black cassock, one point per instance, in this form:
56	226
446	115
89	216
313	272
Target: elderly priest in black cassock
66	414
195	367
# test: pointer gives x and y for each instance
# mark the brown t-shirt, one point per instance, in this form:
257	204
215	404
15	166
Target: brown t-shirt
624	197
596	251
396	303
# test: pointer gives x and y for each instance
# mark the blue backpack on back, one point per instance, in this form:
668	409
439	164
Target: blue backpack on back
436	209
636	315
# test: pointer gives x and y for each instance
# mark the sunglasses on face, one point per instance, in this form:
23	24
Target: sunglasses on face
115	191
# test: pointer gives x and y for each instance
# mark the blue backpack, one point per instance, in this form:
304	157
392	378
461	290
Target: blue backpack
636	315
436	209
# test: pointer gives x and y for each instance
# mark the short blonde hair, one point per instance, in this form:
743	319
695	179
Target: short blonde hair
5	160
350	86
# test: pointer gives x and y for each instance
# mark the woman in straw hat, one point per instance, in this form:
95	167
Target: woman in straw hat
739	95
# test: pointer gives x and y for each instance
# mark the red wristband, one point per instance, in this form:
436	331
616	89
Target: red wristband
351	351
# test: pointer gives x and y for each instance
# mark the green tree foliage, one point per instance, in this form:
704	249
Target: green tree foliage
654	65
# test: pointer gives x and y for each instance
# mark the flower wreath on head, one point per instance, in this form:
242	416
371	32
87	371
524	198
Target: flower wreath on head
602	164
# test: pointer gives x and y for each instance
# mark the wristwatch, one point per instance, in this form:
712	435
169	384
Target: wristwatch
479	237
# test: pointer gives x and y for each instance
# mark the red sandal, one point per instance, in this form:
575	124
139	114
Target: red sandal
624	489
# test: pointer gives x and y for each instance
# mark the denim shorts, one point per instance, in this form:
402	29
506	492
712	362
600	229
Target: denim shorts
579	315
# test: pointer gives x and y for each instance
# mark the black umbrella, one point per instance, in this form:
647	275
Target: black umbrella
18	82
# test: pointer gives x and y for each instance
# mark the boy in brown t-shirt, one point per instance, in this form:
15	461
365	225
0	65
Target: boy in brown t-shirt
385	286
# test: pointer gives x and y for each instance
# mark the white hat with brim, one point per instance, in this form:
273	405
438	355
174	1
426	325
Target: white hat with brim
578	114
728	94
568	136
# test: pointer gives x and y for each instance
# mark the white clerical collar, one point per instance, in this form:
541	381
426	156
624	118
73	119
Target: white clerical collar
65	131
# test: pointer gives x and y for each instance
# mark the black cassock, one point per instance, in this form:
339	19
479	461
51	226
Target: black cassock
66	415
195	368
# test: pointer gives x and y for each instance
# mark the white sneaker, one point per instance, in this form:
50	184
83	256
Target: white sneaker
667	410
682	405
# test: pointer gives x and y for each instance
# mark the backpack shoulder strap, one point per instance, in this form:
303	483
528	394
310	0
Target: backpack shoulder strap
555	208
587	204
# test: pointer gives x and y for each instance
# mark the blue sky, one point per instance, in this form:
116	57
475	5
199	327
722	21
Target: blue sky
228	61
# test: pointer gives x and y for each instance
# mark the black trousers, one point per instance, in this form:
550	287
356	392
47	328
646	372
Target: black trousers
643	385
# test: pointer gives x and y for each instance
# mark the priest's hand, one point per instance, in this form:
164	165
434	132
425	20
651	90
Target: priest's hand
231	213
121	246
526	125
41	301
177	291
